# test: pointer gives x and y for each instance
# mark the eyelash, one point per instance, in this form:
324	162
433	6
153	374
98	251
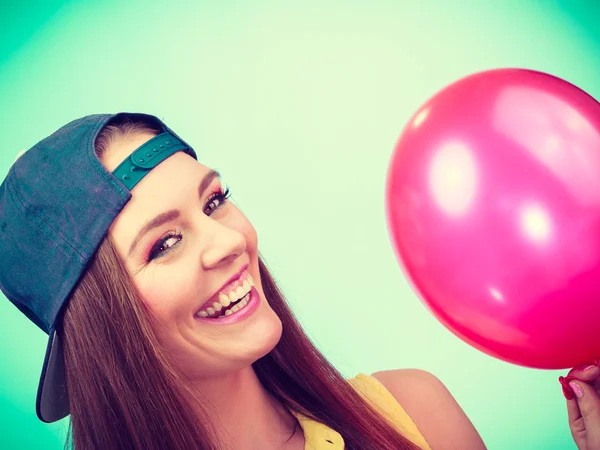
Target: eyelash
220	195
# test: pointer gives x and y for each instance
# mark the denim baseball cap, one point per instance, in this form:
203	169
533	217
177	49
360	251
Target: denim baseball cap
56	206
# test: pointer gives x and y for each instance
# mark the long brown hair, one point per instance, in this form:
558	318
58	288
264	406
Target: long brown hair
125	393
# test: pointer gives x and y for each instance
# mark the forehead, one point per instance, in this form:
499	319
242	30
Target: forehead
167	186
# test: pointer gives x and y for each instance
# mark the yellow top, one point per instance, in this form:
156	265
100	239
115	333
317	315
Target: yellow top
320	437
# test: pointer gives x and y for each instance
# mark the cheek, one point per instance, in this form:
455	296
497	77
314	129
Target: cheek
167	299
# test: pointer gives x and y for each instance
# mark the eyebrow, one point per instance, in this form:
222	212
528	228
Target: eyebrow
173	213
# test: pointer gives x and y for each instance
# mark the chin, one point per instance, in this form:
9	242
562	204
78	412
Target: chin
267	337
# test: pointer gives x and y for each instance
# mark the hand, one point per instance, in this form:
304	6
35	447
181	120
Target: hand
581	387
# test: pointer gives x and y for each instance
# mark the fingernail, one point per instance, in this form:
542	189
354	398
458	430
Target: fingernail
577	389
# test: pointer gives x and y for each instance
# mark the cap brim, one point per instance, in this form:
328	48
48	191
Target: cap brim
52	398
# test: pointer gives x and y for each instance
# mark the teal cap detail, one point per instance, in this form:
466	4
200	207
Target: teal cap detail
131	171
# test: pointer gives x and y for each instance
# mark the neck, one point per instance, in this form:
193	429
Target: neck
247	416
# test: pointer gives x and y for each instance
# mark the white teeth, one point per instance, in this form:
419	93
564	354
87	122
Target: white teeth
234	296
224	300
218	307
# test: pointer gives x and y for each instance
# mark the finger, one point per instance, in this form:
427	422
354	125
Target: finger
576	424
566	389
586	372
588	402
574	413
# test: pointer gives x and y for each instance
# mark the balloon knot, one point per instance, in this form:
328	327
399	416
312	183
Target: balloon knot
564	381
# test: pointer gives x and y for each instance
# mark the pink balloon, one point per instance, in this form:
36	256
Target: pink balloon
493	208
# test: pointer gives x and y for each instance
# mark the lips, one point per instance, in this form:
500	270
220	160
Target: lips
223	288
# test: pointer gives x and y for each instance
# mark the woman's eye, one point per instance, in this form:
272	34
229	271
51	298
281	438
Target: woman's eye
168	242
161	247
220	198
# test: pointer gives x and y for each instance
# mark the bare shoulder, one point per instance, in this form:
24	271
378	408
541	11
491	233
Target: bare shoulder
433	409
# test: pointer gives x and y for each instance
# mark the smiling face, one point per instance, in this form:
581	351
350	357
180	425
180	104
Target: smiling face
181	265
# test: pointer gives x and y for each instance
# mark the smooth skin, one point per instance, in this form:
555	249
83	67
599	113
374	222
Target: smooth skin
435	412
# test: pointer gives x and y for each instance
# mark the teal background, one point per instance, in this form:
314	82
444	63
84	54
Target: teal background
299	105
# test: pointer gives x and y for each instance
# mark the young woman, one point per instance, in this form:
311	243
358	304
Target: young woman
166	328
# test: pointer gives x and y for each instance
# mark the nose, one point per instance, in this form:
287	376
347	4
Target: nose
224	245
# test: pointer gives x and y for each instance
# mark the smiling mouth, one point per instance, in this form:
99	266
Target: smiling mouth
229	303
